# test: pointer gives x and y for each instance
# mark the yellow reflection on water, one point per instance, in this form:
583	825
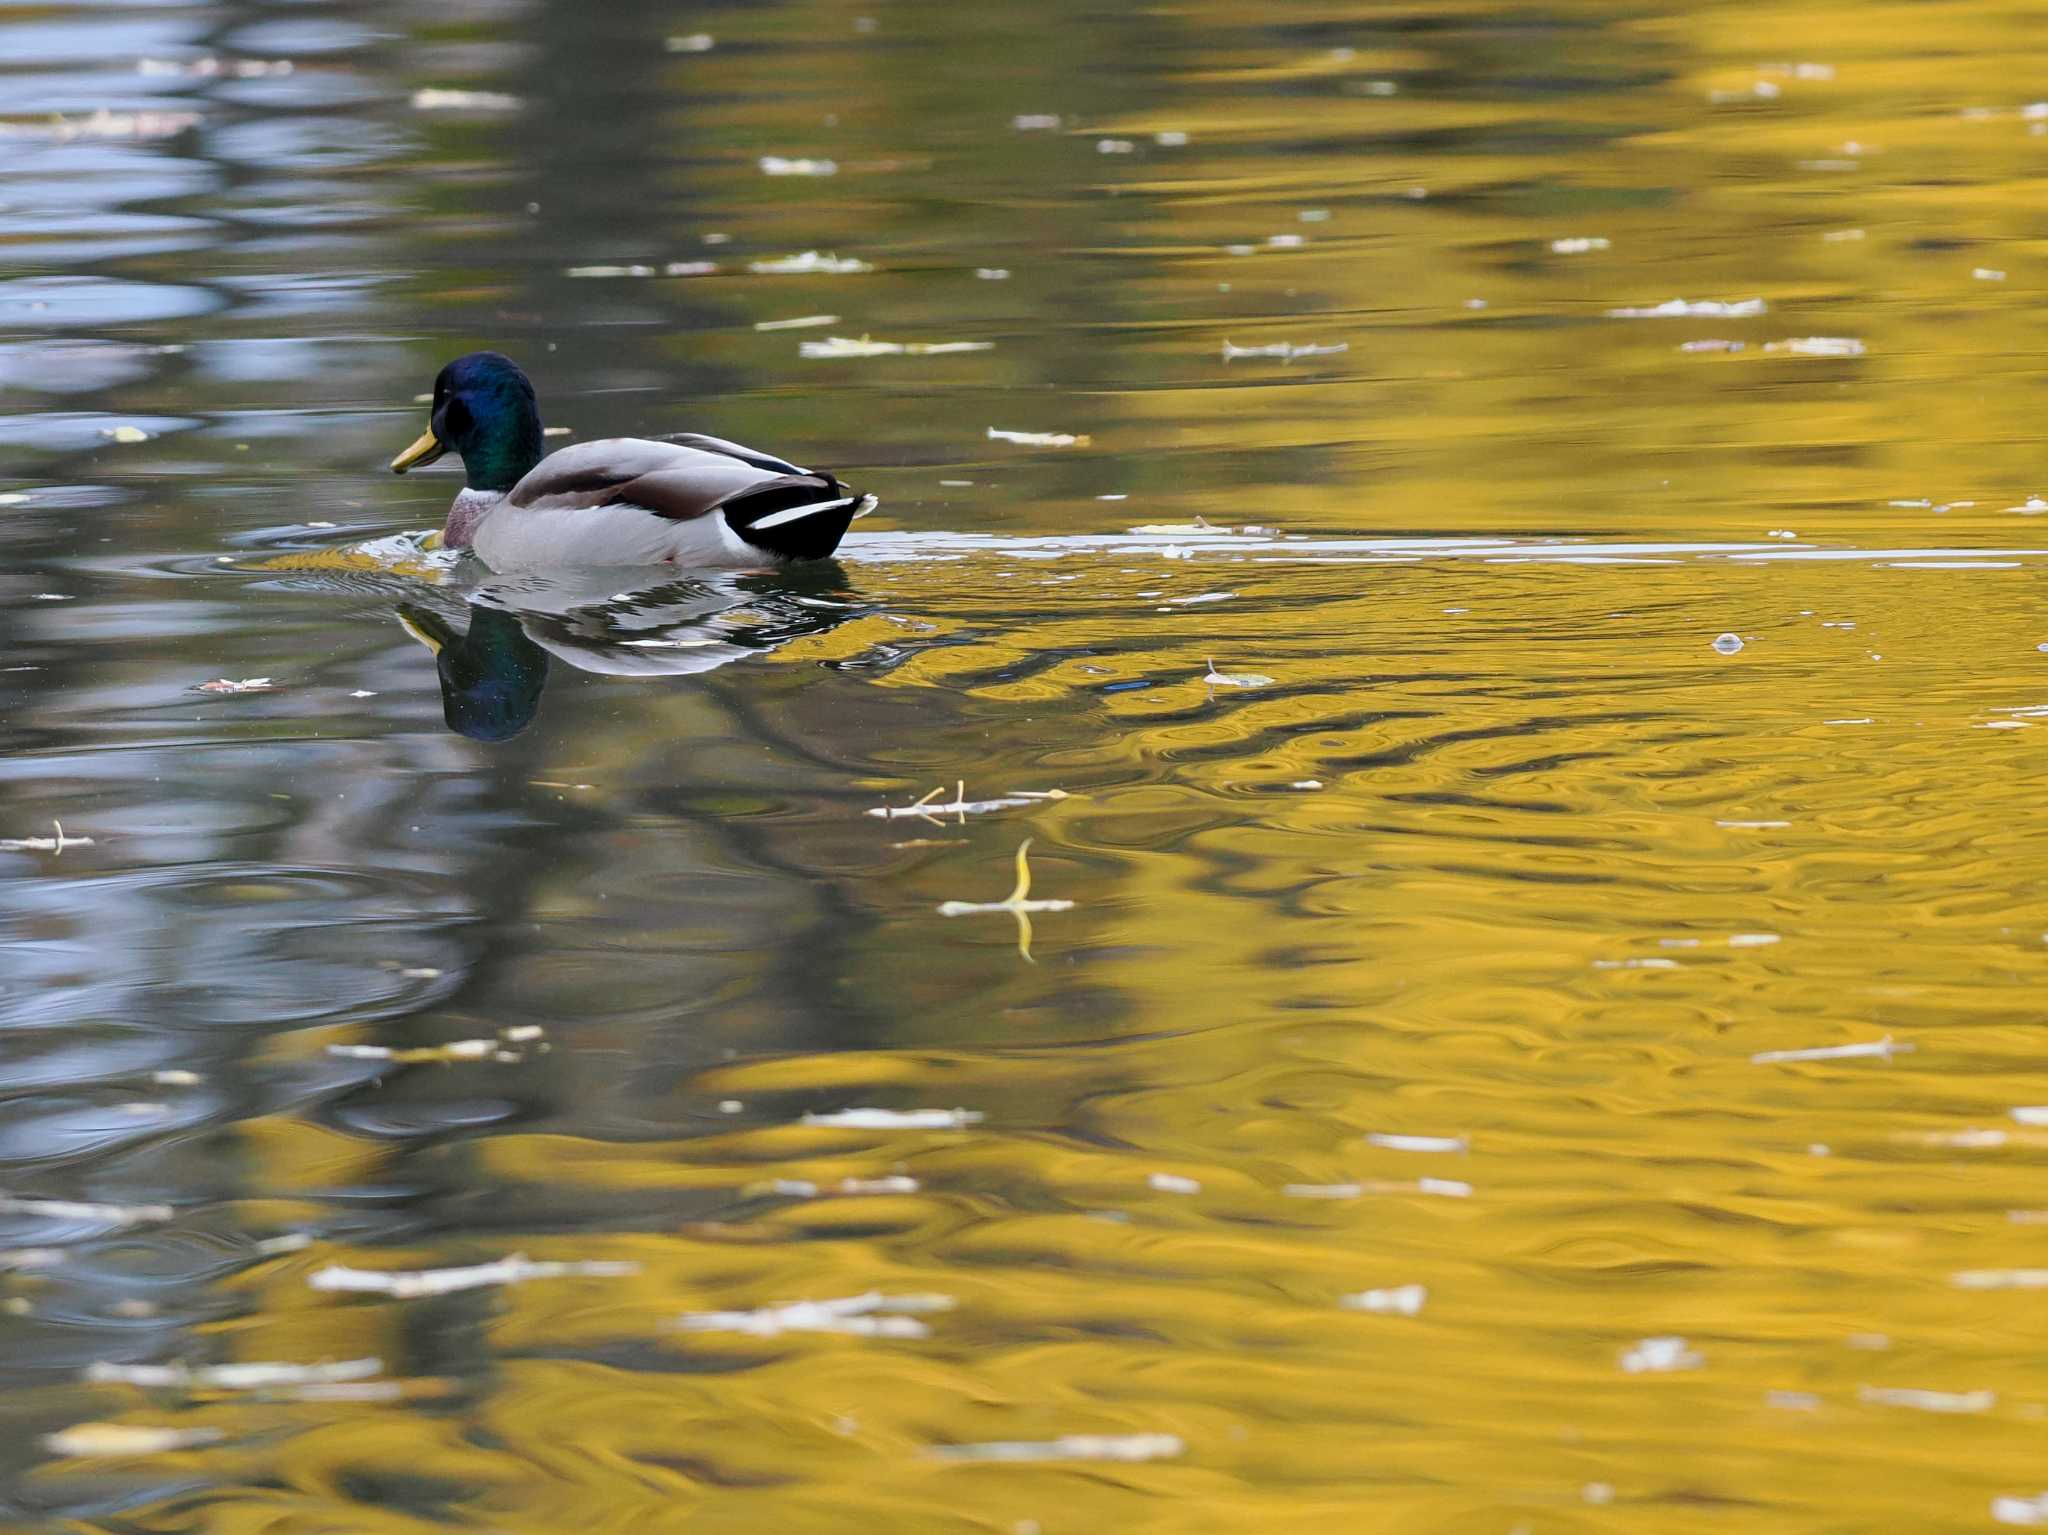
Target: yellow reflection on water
1432	903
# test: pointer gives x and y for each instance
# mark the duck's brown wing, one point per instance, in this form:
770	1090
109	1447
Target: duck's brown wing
745	455
666	478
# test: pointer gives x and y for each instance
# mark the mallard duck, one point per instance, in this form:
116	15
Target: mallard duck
685	500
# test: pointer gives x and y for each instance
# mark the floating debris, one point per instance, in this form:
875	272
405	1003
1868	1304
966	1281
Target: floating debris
209	68
125	434
896	1119
1285	351
1728	644
1172	1183
962	807
1695	309
1216	679
846	346
103	125
2031	1115
667	269
2001	1279
801	322
230	1377
1436	1143
1958	1140
1842	236
505	1049
1819	346
776	165
1792	1401
1987	274
804	1188
873	1315
1928	1401
808	261
103	1439
1035	122
1656	1355
1880	1049
464	101
1404	1300
1115	147
246	685
74	1210
2010	1510
1170	138
1710	345
414	1283
1198	526
1130	1448
694	42
1039	439
1578	245
55	844
1016	903
992	273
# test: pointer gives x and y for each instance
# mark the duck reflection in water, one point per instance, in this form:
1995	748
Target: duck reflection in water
493	672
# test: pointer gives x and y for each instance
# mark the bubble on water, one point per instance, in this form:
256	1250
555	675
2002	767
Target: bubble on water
1728	644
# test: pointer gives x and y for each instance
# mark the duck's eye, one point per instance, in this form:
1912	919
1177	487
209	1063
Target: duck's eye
455	420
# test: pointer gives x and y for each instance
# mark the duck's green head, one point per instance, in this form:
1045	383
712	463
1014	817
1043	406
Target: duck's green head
483	409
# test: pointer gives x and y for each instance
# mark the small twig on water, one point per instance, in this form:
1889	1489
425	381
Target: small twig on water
1016	903
55	844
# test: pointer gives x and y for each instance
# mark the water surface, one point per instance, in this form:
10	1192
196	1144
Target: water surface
1445	902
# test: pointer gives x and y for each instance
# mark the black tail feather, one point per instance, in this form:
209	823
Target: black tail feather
825	509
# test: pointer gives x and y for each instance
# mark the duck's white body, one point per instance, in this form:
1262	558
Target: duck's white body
535	538
696	501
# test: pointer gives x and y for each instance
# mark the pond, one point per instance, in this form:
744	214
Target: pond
1398	886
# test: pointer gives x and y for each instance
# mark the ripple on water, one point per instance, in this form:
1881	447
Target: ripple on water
232	945
86	303
66	366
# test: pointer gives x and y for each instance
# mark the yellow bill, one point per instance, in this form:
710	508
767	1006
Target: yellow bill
425	451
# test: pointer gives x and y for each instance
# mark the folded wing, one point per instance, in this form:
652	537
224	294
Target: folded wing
768	502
